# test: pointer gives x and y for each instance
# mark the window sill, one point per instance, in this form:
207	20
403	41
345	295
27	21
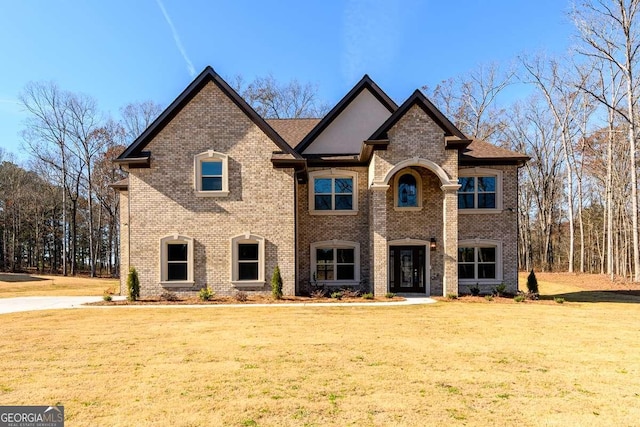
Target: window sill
334	283
480	281
480	211
313	212
407	209
212	193
177	284
248	283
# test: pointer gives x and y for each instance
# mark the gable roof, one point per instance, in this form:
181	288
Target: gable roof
364	83
418	98
293	131
134	154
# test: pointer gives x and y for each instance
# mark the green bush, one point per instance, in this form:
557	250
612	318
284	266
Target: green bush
368	295
336	295
276	284
519	298
532	283
206	294
500	289
107	297
475	290
390	295
452	296
133	285
559	300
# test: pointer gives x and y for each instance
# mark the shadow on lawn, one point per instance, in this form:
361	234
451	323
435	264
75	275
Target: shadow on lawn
17	277
629	297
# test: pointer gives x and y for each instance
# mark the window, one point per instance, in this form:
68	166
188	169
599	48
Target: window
479	261
211	174
479	189
176	258
335	262
247	260
333	192
408	190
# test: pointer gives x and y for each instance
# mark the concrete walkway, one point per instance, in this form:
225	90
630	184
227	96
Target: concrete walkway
19	304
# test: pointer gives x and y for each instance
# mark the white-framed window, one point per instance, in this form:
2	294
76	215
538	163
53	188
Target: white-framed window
480	190
211	174
480	261
247	260
176	260
335	262
408	190
333	192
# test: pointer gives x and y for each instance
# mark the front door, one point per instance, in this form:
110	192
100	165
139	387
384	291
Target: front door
407	269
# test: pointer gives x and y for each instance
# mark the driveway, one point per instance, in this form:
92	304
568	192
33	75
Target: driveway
15	305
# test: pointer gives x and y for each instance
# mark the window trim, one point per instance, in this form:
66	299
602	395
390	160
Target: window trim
203	157
333	173
480	173
235	271
396	184
482	243
335	244
164	255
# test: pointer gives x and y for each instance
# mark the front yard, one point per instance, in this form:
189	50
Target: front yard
450	363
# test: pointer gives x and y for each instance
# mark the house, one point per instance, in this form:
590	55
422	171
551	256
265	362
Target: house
385	197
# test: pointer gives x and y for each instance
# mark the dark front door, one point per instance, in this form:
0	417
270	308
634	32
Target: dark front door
407	269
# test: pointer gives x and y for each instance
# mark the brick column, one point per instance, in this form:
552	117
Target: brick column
450	239
378	240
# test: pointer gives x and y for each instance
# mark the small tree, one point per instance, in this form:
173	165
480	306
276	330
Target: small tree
532	283
133	284
276	284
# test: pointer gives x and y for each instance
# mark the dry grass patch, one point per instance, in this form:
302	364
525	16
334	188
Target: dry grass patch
439	364
22	285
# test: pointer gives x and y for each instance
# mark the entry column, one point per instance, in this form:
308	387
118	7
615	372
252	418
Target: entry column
450	238
378	239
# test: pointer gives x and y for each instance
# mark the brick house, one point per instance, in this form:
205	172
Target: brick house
385	197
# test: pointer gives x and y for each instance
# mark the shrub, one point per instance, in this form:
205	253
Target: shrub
532	283
488	297
350	293
452	296
276	284
500	289
169	296
133	285
206	294
390	295
559	300
475	290
107	297
368	295
519	298
336	295
317	293
241	296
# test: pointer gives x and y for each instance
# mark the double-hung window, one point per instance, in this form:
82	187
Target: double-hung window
211	174
479	261
479	190
247	263
335	262
176	260
333	192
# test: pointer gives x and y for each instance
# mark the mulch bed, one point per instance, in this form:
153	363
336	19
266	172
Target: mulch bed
254	299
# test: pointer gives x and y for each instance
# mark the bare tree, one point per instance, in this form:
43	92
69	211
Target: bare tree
609	32
470	100
137	116
274	100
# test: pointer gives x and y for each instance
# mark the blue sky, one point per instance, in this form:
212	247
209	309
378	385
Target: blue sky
120	51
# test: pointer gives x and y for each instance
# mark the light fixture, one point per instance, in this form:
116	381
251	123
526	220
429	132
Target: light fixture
432	244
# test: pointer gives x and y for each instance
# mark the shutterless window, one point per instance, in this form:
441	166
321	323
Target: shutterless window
477	192
335	264
477	263
211	175
333	193
248	261
177	261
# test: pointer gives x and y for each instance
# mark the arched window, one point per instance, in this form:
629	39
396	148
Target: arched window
176	260
211	174
408	190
